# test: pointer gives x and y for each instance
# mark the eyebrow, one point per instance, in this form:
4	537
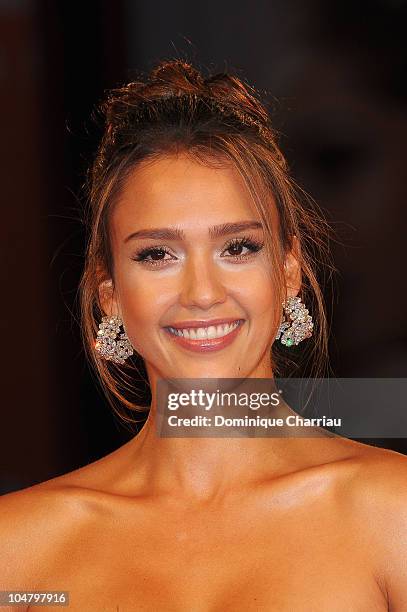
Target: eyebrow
174	233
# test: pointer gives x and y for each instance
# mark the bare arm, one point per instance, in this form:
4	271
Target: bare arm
382	497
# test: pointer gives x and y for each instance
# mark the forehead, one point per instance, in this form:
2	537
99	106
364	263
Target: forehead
179	190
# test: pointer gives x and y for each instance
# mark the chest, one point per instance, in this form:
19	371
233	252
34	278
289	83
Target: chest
225	560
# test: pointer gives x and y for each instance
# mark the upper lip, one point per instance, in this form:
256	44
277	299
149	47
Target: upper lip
202	323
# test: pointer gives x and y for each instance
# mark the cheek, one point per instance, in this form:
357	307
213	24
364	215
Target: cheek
257	293
140	312
144	299
259	297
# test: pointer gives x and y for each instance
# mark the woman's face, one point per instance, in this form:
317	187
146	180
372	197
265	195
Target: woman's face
212	270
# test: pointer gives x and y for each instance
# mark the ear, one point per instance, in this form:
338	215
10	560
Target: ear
107	297
292	269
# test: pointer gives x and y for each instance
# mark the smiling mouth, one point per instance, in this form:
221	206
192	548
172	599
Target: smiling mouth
205	333
204	339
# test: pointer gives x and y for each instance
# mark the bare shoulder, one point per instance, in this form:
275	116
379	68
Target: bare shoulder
375	476
380	483
41	522
36	525
375	494
378	473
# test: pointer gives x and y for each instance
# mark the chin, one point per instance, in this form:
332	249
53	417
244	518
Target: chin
215	372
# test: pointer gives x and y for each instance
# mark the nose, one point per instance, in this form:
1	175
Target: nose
202	285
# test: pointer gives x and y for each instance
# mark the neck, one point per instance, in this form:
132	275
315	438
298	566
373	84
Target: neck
199	469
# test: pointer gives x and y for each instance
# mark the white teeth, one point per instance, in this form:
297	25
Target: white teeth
211	332
202	333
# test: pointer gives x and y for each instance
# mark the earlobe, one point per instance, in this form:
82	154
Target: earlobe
107	298
292	268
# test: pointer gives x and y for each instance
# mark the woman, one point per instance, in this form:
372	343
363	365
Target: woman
195	223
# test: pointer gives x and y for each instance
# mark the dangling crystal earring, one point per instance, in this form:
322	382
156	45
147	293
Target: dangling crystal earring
298	324
108	345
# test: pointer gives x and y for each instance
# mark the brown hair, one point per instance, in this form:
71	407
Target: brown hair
215	120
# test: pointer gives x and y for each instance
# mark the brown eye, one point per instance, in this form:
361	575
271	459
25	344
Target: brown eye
237	244
153	256
235	249
157	254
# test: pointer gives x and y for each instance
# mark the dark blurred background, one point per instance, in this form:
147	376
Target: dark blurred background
336	76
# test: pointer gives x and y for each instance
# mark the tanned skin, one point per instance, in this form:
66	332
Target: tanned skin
209	524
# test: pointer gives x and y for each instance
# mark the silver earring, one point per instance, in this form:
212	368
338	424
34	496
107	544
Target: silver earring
298	323
110	343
